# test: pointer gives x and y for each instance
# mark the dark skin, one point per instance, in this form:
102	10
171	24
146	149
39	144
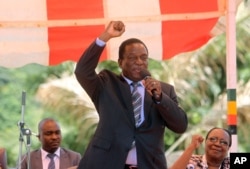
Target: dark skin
216	152
135	58
49	135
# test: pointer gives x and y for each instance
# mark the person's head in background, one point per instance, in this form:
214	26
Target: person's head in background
217	144
49	134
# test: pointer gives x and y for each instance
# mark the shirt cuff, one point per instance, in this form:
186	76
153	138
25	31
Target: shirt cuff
99	42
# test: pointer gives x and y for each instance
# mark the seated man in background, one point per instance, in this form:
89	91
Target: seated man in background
217	144
51	155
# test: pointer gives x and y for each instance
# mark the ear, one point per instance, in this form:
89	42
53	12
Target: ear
39	137
120	62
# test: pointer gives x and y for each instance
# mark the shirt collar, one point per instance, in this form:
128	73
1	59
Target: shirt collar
45	153
130	81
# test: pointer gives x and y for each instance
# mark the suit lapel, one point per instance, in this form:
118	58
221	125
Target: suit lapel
147	106
126	99
63	161
38	160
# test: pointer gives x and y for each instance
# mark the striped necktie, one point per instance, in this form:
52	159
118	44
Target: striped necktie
51	163
137	103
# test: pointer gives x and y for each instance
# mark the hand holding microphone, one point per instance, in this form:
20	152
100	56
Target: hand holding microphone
152	86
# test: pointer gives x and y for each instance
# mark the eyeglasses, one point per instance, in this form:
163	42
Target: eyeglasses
215	139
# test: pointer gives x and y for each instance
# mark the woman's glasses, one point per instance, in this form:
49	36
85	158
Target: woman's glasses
215	139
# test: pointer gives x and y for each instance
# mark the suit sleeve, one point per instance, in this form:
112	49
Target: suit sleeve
175	117
85	69
24	162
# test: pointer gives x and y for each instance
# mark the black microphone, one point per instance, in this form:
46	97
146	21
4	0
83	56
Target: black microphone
146	74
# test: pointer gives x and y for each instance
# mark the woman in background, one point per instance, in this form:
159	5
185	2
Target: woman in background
217	144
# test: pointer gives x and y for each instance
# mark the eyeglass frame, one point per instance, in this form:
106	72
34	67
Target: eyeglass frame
221	141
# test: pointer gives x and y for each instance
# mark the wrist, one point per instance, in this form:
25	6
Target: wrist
104	37
192	147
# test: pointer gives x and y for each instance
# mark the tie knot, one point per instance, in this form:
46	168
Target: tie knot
51	156
135	84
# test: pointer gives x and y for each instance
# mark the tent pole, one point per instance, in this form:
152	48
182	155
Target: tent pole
231	73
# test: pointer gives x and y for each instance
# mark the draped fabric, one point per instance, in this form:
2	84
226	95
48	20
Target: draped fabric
49	32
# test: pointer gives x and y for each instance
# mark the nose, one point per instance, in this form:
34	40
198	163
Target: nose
139	60
54	136
217	143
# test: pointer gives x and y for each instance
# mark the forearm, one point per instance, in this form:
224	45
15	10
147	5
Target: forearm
89	59
174	116
183	160
85	68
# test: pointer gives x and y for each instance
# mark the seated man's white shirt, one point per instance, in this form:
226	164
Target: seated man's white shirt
46	159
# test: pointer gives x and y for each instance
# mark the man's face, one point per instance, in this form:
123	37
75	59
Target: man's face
135	59
50	136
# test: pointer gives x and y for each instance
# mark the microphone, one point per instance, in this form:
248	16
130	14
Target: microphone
145	74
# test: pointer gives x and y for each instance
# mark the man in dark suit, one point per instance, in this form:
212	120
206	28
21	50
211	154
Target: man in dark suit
50	138
121	141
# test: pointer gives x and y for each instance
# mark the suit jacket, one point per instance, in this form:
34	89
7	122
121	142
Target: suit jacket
68	158
3	158
116	130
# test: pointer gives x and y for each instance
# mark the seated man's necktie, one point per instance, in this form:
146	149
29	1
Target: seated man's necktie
52	162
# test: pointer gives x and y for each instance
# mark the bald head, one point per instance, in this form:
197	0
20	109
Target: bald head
44	121
49	134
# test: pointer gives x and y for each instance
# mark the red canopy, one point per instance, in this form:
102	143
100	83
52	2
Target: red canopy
50	32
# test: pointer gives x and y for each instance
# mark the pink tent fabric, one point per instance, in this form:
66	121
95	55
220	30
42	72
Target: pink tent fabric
49	32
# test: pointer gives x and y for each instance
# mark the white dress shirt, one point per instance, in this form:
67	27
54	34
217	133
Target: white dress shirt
46	159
